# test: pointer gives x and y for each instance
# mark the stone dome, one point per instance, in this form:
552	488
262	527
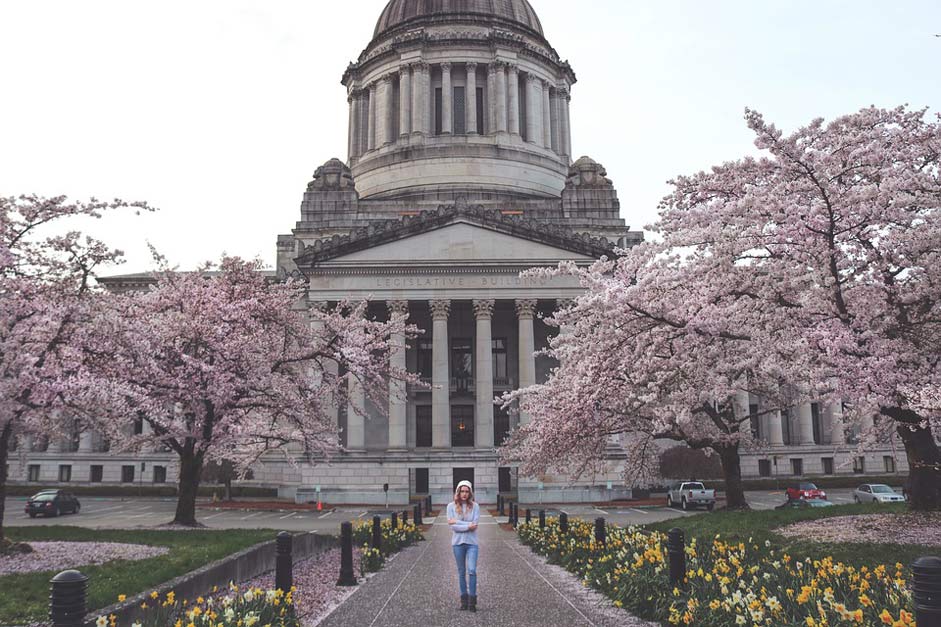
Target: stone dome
405	12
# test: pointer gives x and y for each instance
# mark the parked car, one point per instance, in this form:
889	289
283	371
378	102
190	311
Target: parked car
802	503
876	493
805	490
52	503
689	494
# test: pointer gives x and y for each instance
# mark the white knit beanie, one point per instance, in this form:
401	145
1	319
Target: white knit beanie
464	483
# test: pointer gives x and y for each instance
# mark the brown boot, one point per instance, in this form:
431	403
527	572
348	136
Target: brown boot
472	606
463	601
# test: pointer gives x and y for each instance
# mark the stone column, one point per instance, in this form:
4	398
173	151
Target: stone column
55	444
546	116
351	130
470	99
355	127
500	99
355	414
440	375
331	367
866	424
491	99
397	392
86	441
362	125
147	430
405	101
371	130
384	111
555	123
567	133
483	367
533	109
525	311
447	95
513	112
742	408
834	415
775	429
805	424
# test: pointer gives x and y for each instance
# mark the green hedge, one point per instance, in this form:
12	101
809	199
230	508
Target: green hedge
168	490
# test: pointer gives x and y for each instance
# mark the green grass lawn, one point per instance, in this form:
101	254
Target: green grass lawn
760	525
25	598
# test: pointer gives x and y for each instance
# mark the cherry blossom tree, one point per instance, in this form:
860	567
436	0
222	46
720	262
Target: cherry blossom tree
839	229
46	280
226	365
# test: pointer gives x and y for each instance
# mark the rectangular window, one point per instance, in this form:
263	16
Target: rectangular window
764	467
396	102
75	436
424	359
65	473
421	481
97	473
817	423
462	425
859	465
797	467
501	425
32	472
480	110
127	474
460	115
521	99
462	358
439	106
138	426
827	463
504	483
160	474
500	375
423	426
889	463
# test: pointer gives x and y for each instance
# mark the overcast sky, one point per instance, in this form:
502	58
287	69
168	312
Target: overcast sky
218	111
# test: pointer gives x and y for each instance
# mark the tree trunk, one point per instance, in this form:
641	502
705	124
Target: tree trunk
732	469
4	455
228	489
191	468
924	467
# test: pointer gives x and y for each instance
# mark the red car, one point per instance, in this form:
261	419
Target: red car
805	491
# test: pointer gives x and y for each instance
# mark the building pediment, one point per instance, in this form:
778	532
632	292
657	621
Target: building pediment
456	235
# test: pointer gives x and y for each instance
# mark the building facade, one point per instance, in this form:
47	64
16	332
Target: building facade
459	175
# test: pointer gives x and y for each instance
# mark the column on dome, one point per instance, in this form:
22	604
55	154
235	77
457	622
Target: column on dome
513	89
805	424
470	99
483	370
834	415
385	111
351	129
447	96
420	98
355	131
501	123
440	375
397	391
371	136
555	122
546	116
533	109
405	100
566	130
362	123
491	108
525	312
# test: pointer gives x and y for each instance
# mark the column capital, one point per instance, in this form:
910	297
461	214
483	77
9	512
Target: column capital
471	66
420	66
525	307
547	85
492	69
406	68
446	66
532	79
564	303
398	307
386	78
483	309
440	309
319	305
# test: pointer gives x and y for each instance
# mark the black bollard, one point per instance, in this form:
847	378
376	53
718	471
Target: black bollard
420	507
376	533
529	516
542	519
347	578
284	562
500	503
395	520
676	550
926	588
67	599
513	515
564	522
428	504
404	518
600	535
416	514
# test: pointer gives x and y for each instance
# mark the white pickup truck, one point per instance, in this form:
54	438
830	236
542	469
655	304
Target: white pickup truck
689	494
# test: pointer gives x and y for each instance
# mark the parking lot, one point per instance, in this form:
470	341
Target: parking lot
148	512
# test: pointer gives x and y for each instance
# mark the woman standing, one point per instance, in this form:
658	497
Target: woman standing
463	514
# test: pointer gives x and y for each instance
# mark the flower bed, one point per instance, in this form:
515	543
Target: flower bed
393	541
726	584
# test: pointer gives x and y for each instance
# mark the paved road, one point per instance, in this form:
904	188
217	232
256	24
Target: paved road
133	512
515	588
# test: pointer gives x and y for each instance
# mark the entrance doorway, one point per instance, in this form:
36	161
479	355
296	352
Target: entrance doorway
463	474
504	484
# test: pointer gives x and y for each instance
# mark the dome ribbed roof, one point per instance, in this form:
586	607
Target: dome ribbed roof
399	12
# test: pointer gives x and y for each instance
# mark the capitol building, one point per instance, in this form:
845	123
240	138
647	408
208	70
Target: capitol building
460	174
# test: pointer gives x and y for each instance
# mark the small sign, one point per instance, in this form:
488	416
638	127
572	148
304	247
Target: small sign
385	487
609	485
540	485
318	489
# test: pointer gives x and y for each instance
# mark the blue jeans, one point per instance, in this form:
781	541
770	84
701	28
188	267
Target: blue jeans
466	557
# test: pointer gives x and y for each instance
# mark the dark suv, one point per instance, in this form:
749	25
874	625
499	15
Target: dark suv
52	503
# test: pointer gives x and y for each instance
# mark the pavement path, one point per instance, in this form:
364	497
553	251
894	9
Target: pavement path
515	588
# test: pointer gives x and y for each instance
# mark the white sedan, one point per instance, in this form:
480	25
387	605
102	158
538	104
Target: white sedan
876	493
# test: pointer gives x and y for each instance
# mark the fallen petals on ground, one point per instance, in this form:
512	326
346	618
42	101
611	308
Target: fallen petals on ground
907	528
65	555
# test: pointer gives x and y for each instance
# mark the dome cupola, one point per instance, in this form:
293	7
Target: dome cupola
409	13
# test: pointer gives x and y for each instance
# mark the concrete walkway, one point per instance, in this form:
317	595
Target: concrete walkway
514	587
